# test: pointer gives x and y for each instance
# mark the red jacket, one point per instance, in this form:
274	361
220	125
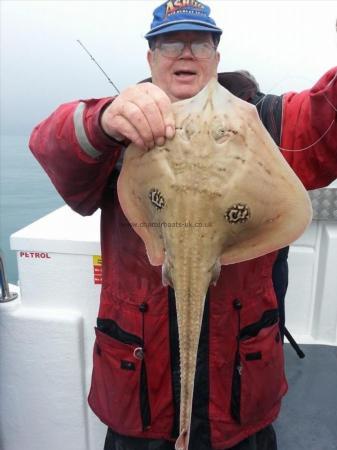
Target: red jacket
240	372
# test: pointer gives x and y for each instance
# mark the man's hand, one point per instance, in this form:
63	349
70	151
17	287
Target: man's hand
142	114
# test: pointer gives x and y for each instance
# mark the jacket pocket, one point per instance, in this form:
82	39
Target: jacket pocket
119	389
258	382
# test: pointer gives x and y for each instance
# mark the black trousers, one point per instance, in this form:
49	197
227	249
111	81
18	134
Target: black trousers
263	440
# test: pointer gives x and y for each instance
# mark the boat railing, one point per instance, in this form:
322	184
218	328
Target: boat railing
5	294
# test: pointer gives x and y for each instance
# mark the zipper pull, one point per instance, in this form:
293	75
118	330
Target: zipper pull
138	353
239	369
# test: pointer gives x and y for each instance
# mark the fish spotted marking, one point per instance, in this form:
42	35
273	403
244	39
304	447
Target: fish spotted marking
156	198
238	213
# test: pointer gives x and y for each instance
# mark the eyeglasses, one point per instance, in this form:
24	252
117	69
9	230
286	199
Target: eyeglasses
174	49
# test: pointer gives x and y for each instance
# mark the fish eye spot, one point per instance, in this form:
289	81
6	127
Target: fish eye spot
189	128
157	198
218	133
238	213
221	133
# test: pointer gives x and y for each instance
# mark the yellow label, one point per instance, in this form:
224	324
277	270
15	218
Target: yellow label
97	260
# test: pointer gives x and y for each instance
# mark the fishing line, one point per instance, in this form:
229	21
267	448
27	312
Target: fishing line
326	131
100	68
311	145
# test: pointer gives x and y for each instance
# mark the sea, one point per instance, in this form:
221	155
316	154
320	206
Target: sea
26	194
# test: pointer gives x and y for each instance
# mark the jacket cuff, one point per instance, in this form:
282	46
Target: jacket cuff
100	136
89	132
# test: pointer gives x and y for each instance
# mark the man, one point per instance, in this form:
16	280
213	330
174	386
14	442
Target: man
135	383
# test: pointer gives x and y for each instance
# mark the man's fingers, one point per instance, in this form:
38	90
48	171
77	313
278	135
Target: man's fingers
165	107
130	132
153	115
134	114
147	116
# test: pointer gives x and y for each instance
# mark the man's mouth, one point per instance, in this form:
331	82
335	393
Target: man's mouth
184	74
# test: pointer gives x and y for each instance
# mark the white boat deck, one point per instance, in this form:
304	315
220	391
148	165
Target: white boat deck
308	418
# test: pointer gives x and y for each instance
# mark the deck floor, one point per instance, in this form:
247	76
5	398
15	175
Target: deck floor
308	418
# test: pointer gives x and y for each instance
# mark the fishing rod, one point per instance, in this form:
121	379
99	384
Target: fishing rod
100	68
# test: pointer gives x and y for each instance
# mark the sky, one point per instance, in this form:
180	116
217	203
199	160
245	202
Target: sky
287	45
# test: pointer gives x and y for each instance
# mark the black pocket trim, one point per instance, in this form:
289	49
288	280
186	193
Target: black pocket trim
253	356
113	330
269	318
127	365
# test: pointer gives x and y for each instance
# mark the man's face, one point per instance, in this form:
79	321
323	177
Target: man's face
185	75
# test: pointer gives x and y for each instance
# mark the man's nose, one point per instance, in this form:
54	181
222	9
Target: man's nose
187	51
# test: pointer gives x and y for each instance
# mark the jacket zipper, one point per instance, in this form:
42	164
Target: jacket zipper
144	393
237	369
144	398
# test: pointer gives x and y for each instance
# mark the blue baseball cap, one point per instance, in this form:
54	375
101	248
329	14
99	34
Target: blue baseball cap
182	15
